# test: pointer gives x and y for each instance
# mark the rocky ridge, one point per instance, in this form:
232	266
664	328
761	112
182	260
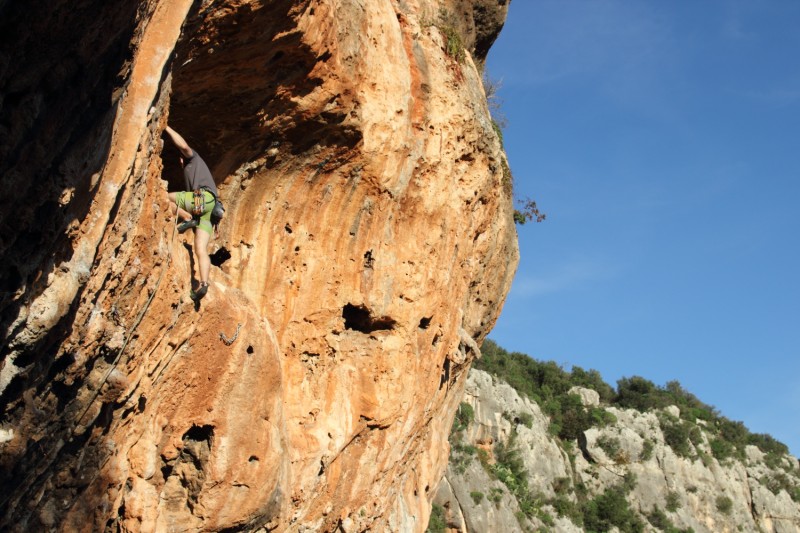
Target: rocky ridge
367	249
666	490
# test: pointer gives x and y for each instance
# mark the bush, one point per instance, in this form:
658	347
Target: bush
611	509
526	419
483	458
724	505
437	522
610	445
453	42
461	455
574	418
510	469
491	88
562	485
673	501
676	435
733	432
528	209
705	458
601	418
569	509
591	379
647	450
629	481
695	434
659	520
464	417
539	381
637	393
721	449
696	413
773	460
779	482
767	444
476	496
691	408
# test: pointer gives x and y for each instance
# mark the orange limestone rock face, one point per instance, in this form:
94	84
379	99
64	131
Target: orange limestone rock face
366	251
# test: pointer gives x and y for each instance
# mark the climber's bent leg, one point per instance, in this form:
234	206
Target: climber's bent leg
178	202
202	236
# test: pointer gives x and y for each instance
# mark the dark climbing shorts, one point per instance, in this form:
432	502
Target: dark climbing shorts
185	201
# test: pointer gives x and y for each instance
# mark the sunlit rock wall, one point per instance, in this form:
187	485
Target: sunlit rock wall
368	245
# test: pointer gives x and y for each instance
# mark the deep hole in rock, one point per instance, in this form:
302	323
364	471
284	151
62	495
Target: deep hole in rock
199	433
106	417
166	470
445	372
197	445
220	256
10	279
64	393
250	350
358	318
425	322
58	366
113	520
12	391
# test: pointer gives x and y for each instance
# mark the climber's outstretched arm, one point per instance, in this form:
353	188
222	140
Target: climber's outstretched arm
180	142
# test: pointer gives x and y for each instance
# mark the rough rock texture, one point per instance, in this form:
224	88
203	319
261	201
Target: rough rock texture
694	484
368	246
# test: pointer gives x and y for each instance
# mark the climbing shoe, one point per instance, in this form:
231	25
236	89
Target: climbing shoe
199	293
187	224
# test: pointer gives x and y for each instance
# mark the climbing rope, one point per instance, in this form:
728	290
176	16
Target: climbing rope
230	341
135	325
322	165
60	445
318	168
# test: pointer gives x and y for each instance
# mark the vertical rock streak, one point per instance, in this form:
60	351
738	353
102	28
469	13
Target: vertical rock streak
367	233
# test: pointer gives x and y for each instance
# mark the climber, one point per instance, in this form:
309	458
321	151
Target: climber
199	197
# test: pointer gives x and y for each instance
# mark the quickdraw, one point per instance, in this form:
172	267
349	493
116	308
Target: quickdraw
228	341
199	203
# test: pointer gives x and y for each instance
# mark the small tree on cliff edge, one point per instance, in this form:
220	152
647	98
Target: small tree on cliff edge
527	209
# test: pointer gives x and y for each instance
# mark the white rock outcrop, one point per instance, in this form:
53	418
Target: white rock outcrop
697	492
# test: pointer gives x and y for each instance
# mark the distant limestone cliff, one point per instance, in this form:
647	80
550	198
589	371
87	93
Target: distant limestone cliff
367	248
587	465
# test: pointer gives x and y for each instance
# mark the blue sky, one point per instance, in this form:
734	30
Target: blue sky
662	139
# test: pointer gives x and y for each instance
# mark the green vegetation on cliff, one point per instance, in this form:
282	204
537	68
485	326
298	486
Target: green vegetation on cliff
548	384
586	495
